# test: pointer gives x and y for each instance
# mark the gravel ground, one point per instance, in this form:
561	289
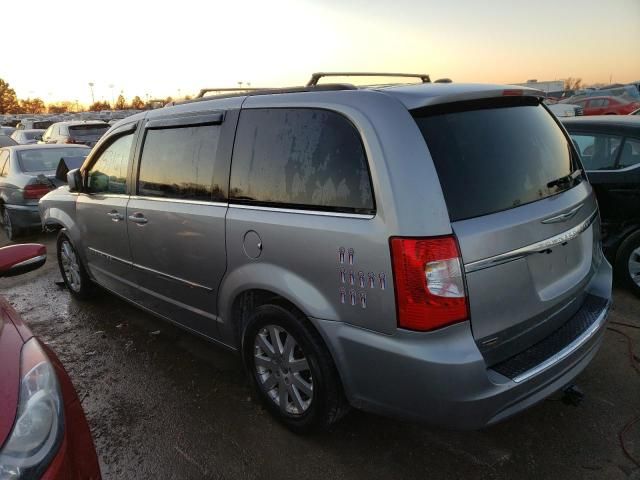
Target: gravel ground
165	404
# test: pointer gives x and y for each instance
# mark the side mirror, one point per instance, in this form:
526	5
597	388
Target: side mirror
74	180
22	258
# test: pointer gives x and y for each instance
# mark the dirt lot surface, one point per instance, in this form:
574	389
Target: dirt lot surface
163	404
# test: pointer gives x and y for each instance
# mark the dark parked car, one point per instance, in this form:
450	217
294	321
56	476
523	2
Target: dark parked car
610	151
27	173
43	431
80	132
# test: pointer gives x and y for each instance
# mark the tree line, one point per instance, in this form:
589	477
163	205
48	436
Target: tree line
11	104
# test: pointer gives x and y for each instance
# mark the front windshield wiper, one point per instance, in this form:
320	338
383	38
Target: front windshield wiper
572	179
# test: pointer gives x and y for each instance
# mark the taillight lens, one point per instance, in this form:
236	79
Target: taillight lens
429	284
70	140
35	191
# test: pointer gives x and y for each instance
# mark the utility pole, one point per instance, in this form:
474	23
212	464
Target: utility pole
113	99
93	100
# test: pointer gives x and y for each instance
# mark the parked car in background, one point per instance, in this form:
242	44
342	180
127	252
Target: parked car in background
610	152
27	172
33	123
604	105
5	130
313	231
6	141
27	137
81	132
43	430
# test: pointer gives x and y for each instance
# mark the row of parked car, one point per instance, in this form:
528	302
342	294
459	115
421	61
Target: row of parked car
437	231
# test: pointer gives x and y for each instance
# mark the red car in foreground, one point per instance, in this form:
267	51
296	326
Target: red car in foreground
43	431
605	105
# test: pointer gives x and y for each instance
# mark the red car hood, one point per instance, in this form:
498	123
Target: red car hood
13	334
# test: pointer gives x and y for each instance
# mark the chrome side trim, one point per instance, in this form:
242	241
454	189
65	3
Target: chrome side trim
30	261
147	269
102	195
537	247
109	256
179	200
171	277
569	349
302	212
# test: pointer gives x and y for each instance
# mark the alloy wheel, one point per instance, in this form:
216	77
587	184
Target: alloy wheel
634	266
70	266
283	370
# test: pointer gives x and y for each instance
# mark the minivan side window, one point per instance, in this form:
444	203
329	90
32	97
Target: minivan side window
179	163
598	152
108	174
300	158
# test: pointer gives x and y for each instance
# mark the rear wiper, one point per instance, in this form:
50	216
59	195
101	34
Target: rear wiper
566	180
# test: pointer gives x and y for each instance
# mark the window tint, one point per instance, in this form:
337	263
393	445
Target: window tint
493	159
598	152
630	154
179	162
596	103
109	173
300	158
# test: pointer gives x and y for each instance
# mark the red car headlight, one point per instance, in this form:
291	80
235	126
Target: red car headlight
38	429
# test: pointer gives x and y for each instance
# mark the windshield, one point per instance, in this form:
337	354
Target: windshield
493	159
47	159
88	130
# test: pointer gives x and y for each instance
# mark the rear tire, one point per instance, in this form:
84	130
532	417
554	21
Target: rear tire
73	272
292	370
628	262
10	230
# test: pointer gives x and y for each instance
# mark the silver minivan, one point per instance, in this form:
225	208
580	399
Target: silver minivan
425	251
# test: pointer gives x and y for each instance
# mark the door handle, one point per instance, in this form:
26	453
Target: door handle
115	216
138	218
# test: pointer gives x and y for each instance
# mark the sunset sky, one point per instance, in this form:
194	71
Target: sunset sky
173	48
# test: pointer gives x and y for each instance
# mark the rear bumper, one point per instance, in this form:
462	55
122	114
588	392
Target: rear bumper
441	377
24	216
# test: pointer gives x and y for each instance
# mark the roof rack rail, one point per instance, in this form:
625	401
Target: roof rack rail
204	91
318	75
249	92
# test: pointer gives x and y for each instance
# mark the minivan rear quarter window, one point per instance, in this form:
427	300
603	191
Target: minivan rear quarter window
496	156
300	158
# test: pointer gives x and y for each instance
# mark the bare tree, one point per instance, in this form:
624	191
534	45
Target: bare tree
573	83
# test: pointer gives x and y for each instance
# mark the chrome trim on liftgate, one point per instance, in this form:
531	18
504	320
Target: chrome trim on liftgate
537	247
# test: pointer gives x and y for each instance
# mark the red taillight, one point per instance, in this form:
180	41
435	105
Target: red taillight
35	191
429	285
70	140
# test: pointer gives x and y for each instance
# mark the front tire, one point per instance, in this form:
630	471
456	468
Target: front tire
292	370
73	272
628	262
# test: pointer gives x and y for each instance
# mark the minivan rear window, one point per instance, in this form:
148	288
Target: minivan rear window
497	156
